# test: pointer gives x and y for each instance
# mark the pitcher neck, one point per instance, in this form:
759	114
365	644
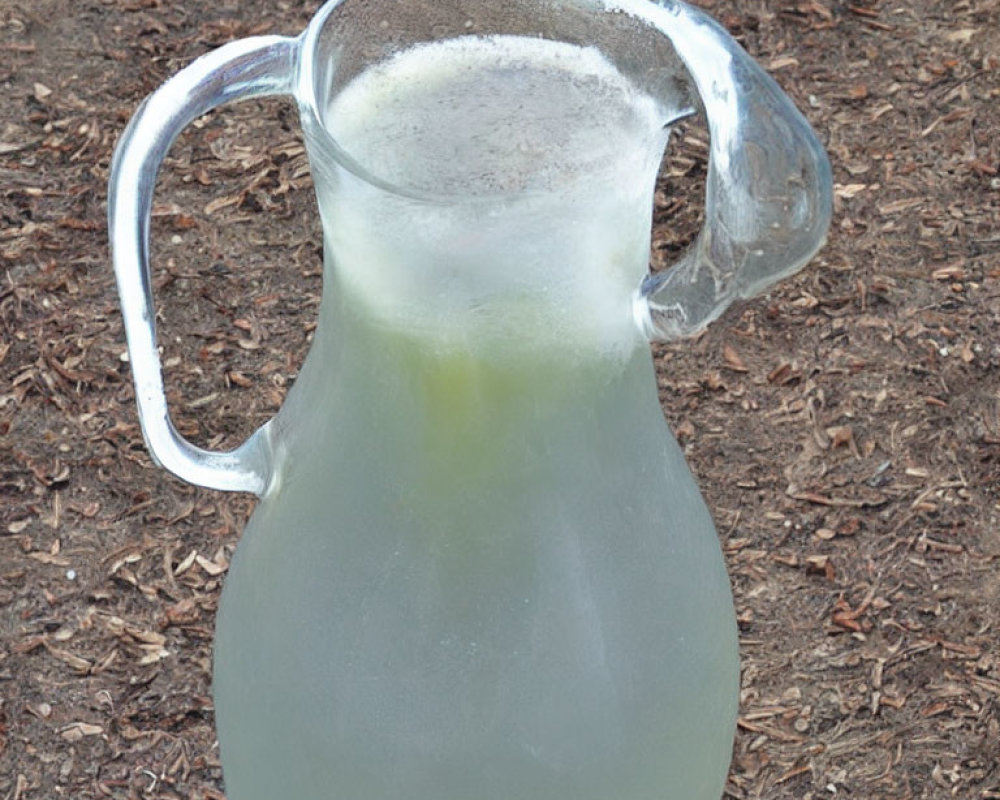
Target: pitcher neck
512	331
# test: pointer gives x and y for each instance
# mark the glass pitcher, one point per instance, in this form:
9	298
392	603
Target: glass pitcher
479	568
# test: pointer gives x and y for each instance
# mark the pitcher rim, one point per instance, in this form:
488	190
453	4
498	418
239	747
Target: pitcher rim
315	129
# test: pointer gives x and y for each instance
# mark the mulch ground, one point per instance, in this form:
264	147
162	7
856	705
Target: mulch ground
845	428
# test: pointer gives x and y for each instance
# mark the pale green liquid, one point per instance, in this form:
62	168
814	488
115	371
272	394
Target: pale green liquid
484	571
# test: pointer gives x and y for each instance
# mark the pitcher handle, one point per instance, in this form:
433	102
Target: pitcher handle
251	67
769	194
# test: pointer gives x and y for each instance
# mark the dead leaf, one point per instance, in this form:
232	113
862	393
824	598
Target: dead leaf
820	565
186	564
952	272
219	203
18	526
849	190
840	435
183	612
80	665
153	654
896	206
961	36
76	731
781	62
211	567
732	359
48	558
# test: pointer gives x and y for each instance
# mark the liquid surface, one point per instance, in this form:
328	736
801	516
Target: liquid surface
486	115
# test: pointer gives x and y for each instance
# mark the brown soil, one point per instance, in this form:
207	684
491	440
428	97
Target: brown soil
845	429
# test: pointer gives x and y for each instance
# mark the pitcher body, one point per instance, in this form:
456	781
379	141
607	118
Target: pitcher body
517	596
479	568
480	523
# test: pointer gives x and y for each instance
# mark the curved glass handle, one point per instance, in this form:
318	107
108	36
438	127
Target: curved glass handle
247	68
769	195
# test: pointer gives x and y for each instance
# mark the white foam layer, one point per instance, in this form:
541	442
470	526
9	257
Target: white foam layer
492	115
